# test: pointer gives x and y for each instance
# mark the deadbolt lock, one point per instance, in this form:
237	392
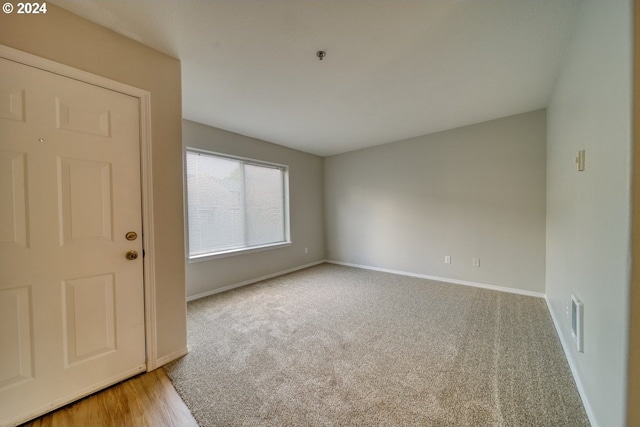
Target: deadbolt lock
131	235
132	255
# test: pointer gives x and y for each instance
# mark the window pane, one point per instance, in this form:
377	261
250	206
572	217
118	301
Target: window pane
216	212
265	205
233	204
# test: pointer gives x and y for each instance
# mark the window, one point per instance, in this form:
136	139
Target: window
235	204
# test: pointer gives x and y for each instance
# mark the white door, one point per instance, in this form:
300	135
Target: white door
71	303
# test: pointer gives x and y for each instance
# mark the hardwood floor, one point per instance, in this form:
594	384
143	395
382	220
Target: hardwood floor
148	399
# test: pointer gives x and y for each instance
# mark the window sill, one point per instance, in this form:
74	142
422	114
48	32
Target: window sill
234	252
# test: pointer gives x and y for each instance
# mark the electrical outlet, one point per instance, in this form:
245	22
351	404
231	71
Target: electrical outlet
476	262
447	259
566	309
306	250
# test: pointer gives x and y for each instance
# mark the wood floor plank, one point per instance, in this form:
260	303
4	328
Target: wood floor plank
148	399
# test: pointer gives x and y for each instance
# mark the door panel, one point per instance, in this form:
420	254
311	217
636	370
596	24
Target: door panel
12	104
71	303
15	333
89	317
13	213
84	188
82	118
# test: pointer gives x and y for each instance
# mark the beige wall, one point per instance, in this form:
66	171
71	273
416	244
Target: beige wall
306	211
472	192
588	213
68	39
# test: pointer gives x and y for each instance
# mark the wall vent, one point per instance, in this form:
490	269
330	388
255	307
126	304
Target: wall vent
577	310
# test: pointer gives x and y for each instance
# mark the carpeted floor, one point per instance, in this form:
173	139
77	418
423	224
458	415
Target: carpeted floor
340	346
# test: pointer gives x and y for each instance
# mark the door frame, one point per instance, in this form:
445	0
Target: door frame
146	177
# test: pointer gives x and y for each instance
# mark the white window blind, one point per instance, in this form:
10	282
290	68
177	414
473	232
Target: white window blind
234	204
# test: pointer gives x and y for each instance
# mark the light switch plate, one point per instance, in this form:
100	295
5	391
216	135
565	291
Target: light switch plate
580	160
577	316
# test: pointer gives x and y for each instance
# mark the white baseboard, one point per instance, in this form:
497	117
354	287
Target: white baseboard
565	347
250	281
445	279
170	357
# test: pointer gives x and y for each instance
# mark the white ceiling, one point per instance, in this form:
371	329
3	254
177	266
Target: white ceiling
394	69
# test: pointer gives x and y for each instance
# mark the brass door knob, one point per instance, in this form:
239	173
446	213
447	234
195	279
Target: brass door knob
132	255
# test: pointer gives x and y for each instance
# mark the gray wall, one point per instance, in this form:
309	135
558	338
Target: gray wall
588	212
476	191
306	211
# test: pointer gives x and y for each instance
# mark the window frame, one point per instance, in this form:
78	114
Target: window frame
248	249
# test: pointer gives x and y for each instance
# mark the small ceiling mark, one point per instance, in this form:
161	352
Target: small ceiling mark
321	54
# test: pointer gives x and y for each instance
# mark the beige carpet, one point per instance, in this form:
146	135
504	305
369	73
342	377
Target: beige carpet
340	346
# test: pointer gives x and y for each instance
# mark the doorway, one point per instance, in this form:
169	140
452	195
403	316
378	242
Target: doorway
73	276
